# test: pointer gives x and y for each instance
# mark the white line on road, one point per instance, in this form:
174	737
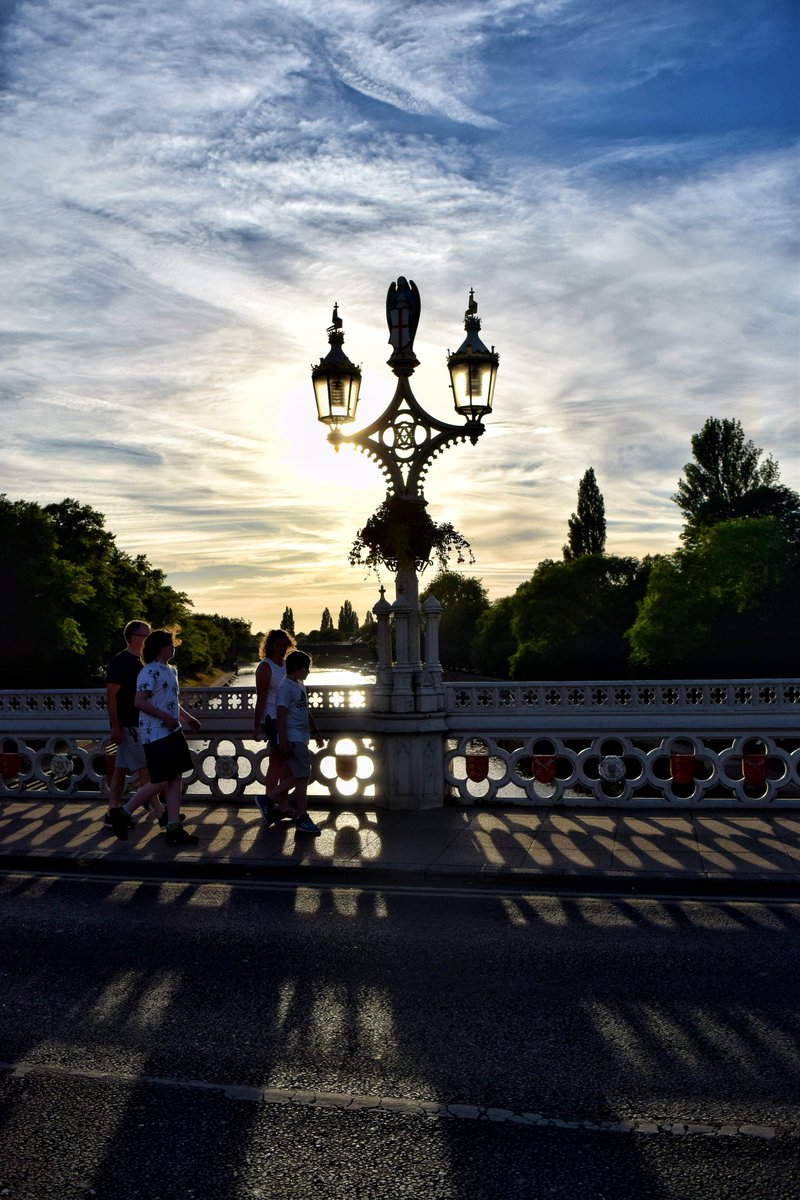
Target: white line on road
431	1109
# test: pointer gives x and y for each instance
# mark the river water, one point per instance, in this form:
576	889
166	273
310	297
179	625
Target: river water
332	675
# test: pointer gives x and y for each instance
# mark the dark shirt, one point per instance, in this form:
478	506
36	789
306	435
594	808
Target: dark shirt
124	669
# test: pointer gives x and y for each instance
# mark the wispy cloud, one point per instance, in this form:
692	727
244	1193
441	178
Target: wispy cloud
190	187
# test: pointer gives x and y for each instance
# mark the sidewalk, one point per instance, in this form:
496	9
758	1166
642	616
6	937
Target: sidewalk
641	850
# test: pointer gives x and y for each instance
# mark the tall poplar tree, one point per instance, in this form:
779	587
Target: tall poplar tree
287	621
587	527
348	621
326	623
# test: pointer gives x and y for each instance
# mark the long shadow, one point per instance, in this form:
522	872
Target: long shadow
565	1008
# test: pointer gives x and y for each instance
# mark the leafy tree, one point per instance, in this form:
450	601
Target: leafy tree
727	480
570	618
327	631
463	599
38	592
68	592
348	621
587	527
495	643
723	607
287	620
368	627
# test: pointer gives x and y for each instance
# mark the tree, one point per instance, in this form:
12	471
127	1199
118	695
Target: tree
38	592
348	621
494	642
724	607
727	480
68	591
587	527
326	624
570	618
287	621
463	599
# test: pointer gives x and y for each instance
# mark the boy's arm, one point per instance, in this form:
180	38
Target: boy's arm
190	719
282	743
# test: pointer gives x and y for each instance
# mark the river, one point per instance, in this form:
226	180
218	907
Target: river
340	676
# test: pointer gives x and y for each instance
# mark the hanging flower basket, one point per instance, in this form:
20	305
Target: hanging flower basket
400	533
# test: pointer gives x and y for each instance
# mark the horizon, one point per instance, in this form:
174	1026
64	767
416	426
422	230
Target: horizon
188	191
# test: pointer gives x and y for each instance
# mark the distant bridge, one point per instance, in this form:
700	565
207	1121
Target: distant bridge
340	654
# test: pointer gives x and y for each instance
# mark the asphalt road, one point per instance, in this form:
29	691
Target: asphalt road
177	1040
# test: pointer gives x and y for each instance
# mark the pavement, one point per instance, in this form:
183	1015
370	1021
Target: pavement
719	851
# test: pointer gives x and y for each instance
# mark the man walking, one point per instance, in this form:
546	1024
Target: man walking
123	717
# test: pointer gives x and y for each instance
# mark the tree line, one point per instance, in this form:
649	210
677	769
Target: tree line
68	591
722	605
347	628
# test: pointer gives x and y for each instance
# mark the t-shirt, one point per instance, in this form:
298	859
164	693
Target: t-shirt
292	696
160	682
124	670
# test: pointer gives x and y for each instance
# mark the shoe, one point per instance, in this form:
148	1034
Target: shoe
120	823
108	821
265	807
306	825
163	820
180	837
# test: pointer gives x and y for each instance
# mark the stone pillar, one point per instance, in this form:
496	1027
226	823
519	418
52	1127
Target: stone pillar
403	674
407	588
382	696
430	692
413	763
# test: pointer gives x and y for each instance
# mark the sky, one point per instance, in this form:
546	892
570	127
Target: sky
187	187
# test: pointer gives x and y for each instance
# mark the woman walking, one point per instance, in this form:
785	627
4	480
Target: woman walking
269	673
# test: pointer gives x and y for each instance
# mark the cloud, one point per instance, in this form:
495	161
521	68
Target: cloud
189	188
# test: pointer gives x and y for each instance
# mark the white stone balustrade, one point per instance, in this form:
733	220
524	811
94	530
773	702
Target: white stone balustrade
676	743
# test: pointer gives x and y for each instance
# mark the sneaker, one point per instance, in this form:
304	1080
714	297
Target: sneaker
306	825
107	819
163	820
178	836
120	823
264	806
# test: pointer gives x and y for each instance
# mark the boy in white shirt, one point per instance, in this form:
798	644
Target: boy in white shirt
294	731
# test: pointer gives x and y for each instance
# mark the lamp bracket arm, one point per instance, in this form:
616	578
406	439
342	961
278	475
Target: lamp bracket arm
391	440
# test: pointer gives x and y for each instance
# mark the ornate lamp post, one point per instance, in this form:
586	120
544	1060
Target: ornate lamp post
405	439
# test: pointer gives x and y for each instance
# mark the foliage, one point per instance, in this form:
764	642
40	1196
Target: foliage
494	642
348	621
401	533
569	619
727	480
722	607
287	621
463	599
68	591
587	527
327	631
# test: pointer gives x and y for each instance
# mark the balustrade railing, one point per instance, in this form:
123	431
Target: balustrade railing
680	743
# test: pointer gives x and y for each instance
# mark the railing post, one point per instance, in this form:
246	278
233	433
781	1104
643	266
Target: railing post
430	693
382	696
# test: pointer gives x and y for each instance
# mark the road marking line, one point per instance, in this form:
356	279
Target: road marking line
355	1102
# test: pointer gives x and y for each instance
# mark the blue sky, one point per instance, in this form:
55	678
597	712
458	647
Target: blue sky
187	187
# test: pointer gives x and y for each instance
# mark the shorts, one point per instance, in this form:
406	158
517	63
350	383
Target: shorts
130	752
270	727
168	757
298	760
